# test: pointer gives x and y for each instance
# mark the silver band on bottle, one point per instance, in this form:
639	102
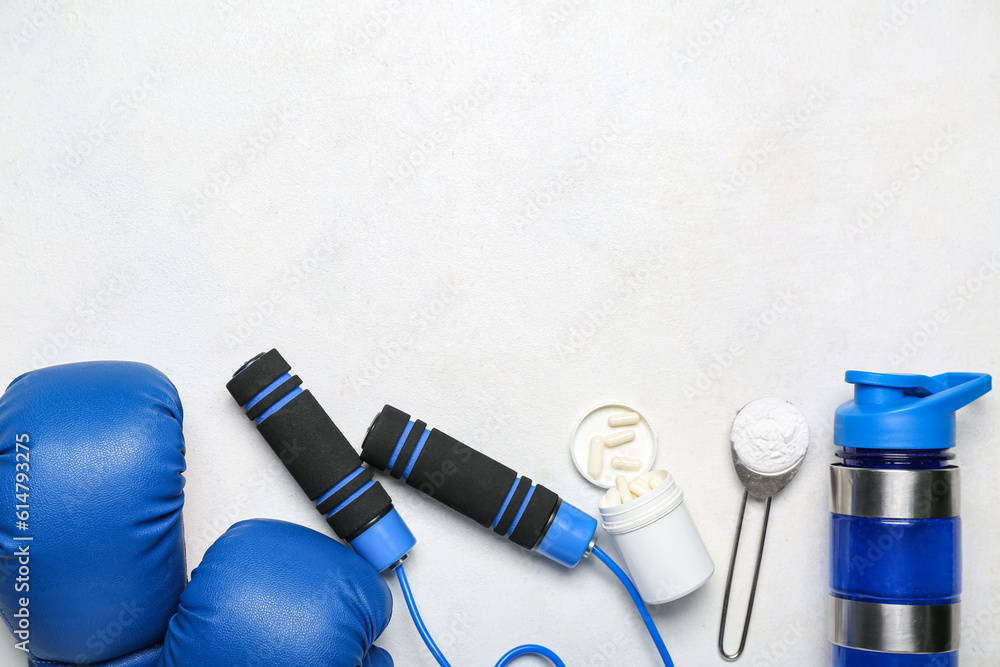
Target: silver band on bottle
895	494
895	628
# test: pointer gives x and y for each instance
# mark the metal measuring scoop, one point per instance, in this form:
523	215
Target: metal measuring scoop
769	440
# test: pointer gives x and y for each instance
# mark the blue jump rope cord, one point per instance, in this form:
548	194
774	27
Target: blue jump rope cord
639	604
535	649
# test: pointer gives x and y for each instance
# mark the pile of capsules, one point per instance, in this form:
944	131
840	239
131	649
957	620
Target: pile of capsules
623	491
595	462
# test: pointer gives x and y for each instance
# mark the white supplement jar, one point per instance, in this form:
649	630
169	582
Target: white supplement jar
657	538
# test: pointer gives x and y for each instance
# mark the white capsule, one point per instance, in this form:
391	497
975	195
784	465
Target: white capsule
653	479
620	437
595	462
626	463
623	419
611	498
638	487
622	485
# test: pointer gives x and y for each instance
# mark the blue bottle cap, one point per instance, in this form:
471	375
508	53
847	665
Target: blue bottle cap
893	411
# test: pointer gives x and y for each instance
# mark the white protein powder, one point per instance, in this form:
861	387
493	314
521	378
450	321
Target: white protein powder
770	435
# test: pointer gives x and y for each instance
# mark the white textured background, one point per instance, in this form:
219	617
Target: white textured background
498	215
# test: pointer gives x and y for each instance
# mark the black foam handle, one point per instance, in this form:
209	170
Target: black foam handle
462	478
309	444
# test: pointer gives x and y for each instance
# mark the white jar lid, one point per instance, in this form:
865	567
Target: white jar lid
642	447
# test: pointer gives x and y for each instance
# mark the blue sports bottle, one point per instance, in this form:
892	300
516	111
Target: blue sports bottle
895	531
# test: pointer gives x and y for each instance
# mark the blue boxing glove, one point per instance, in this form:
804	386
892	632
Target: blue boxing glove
92	567
91	537
275	593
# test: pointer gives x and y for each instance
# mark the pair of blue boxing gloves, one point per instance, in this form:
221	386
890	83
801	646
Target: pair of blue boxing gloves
92	558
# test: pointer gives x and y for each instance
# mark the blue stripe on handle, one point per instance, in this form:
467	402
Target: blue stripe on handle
416	454
341	484
506	501
524	506
280	404
354	496
267	390
399	446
